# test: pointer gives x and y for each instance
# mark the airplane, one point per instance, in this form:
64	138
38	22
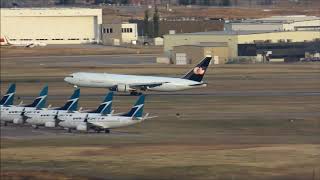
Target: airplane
27	44
74	120
16	114
48	117
135	83
101	122
7	99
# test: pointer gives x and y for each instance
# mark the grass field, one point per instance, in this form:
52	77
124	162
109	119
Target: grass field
240	136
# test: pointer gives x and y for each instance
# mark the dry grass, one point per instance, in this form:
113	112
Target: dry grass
179	161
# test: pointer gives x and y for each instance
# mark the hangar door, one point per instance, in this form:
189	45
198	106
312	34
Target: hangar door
54	30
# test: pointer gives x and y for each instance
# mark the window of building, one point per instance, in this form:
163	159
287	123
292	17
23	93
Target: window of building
104	30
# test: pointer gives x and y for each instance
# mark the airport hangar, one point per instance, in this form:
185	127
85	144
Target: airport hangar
226	45
52	25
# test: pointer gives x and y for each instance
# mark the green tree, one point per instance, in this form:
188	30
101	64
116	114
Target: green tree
146	23
156	22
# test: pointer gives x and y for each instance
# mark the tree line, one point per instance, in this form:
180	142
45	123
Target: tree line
151	27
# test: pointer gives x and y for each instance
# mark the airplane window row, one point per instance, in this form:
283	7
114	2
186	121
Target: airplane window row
65	115
47	115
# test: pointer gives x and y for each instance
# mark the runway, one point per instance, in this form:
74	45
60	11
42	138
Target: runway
207	94
85	60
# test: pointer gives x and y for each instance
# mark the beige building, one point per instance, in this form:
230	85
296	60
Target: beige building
192	54
232	39
52	25
119	33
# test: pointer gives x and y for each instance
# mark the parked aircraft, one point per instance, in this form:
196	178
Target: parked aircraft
102	122
48	117
28	44
76	120
16	114
135	84
7	99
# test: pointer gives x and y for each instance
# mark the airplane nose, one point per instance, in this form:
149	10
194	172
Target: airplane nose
68	80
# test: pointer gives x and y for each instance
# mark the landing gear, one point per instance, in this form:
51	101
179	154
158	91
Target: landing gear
107	131
5	123
135	93
35	127
69	130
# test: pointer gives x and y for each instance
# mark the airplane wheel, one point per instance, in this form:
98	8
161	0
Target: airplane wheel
69	130
107	131
35	127
5	124
98	130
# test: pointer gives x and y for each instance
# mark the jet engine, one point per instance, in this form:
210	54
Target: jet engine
82	127
50	124
123	88
18	120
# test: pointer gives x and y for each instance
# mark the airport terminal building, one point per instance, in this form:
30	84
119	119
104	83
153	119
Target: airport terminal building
52	25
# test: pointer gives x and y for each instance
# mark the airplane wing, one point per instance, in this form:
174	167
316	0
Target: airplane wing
31	45
95	126
144	86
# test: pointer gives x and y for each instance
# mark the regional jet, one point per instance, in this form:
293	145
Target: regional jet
7	99
102	122
16	114
76	120
27	44
135	84
48	117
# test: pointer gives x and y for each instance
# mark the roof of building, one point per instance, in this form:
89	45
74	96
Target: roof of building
207	44
279	19
230	33
222	33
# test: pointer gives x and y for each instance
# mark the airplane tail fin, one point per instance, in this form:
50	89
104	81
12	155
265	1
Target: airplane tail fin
106	105
8	98
137	109
197	73
72	103
7	40
40	101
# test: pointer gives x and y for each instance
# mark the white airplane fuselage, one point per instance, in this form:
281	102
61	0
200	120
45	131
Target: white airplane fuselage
105	80
44	117
29	44
77	120
14	113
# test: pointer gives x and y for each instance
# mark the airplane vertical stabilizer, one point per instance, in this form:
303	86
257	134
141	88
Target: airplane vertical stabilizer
72	103
106	105
8	98
40	101
197	73
137	109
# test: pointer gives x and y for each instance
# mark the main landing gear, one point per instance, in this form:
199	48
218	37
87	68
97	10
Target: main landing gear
135	93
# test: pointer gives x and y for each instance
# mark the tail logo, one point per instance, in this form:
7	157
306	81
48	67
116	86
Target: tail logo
199	71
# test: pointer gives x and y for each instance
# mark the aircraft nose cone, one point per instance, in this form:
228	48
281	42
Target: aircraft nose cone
68	80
